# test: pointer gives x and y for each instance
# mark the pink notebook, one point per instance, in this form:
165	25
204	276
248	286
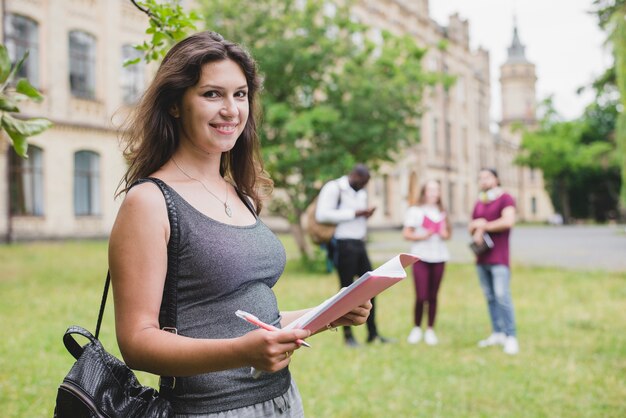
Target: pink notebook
365	288
431	225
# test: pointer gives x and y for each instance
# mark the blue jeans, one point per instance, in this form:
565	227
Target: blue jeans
495	280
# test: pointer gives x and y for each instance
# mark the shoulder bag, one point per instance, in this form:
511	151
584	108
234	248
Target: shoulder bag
102	386
320	233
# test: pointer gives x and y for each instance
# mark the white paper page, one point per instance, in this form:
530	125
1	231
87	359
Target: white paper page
392	268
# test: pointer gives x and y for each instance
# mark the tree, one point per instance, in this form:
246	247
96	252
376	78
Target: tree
612	18
331	97
594	190
577	158
584	160
11	93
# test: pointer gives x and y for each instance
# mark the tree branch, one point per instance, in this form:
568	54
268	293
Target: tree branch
146	11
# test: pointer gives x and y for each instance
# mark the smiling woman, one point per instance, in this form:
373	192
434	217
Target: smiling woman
200	105
194	136
213	114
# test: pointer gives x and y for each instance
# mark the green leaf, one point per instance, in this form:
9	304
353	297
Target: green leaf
7	104
24	87
20	145
5	64
158	38
131	62
17	66
25	127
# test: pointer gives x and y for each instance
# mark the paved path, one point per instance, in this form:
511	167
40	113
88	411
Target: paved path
576	247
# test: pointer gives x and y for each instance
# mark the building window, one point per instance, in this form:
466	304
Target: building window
26	182
21	35
435	137
432	64
460	90
466	199
132	75
533	205
82	65
465	145
376	36
482	156
86	183
448	144
451	200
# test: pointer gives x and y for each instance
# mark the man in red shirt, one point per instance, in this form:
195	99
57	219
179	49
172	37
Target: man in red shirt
494	215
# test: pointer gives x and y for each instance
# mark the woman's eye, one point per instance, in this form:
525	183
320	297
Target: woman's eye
241	94
211	94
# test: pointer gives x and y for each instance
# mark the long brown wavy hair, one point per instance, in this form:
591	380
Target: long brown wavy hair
151	135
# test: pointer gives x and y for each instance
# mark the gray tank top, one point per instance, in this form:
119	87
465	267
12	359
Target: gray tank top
223	268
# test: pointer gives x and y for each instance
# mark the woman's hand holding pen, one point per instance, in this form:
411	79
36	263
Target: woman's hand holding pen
271	351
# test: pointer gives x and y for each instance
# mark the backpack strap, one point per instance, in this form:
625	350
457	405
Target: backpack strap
168	310
103	303
247	201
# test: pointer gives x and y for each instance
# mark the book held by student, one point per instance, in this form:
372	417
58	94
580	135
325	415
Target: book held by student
435	226
366	287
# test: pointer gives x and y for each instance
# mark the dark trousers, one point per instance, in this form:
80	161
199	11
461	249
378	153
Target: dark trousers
351	261
427	278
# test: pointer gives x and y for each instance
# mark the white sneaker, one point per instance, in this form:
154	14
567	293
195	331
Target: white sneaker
497	338
415	335
511	346
430	338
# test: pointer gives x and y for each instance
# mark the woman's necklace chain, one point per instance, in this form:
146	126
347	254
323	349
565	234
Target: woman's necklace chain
227	209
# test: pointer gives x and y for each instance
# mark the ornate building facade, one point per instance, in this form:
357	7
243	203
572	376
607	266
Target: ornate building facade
66	188
456	139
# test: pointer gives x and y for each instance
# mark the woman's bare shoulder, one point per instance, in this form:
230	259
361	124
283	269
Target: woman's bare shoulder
143	204
145	195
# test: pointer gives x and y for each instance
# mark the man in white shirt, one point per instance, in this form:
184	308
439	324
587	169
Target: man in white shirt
344	202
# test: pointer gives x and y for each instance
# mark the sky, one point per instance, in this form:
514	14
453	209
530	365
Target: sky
561	39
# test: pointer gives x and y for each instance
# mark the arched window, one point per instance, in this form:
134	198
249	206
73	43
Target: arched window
26	182
435	135
82	65
132	75
451	203
86	183
21	35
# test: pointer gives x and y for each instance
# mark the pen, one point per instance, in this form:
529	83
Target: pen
256	321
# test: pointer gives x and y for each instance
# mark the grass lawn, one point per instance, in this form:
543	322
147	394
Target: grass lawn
571	325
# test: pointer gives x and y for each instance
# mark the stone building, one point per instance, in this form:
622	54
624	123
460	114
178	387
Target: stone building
517	81
66	187
456	139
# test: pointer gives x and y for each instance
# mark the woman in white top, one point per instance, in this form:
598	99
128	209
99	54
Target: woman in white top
427	226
